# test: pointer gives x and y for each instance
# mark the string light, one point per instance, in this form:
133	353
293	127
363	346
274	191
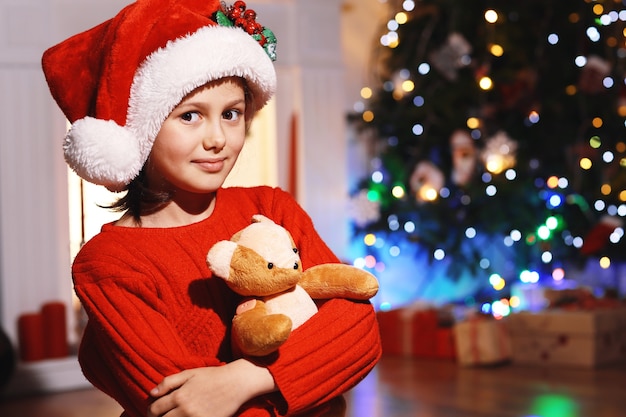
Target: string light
496	50
598	9
398	191
408	5
558	274
408	86
529	277
369	239
473	123
485	83
585	163
605	262
401	18
368	116
497	282
427	193
491	16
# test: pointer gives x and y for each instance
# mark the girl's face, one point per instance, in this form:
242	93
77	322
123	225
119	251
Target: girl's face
200	140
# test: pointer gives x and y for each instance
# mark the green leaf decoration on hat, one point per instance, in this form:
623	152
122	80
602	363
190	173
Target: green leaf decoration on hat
223	20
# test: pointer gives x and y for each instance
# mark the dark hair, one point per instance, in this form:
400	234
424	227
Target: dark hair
141	199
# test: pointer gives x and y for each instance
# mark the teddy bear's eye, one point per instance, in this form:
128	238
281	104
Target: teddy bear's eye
295	265
270	265
295	250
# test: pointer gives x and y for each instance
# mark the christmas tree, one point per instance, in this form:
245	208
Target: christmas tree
498	143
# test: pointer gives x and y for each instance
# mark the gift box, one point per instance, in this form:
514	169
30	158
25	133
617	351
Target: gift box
482	341
561	337
415	332
445	346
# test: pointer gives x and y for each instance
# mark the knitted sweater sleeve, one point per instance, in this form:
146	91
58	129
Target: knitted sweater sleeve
336	348
131	343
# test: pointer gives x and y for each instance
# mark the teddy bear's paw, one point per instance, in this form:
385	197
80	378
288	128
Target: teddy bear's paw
339	280
261	336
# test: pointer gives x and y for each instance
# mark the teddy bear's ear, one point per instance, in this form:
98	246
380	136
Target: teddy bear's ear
219	258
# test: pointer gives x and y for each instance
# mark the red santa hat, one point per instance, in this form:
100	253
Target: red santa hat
118	82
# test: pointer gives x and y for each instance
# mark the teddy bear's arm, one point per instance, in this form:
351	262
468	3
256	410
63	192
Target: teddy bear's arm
257	333
339	281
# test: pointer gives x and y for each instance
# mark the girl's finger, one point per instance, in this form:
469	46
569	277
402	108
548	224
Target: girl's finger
169	384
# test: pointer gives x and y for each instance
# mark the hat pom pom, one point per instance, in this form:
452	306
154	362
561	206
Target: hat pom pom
103	152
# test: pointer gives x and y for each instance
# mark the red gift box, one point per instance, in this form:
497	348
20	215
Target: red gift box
446	348
415	332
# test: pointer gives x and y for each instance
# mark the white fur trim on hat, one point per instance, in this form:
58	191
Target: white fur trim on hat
102	152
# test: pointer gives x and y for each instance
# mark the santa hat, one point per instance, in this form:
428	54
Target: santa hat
118	82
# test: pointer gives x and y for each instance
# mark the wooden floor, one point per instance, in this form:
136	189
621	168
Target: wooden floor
401	387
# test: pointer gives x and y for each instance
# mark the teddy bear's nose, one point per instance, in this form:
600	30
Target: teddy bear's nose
295	265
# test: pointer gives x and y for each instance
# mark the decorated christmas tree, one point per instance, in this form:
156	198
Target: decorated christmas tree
498	146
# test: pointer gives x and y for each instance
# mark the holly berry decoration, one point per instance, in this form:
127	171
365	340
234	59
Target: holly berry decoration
245	19
240	16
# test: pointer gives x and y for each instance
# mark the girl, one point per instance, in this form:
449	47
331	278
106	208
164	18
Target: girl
160	98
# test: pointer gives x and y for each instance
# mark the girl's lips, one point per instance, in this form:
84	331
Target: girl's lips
210	165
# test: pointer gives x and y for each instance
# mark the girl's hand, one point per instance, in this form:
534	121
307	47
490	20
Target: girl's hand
213	391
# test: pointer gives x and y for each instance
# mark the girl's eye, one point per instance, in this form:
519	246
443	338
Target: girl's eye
231	115
189	116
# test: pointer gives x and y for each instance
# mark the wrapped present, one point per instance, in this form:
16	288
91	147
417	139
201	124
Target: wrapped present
414	332
482	341
444	346
584	338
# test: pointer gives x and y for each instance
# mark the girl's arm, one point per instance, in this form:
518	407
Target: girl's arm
195	392
131	343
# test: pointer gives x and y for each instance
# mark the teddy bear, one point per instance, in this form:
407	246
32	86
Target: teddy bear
262	263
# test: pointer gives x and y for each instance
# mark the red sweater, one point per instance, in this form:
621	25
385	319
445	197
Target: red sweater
154	310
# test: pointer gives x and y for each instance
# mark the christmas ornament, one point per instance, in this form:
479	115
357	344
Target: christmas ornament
598	237
499	153
452	56
464	156
362	210
592	75
426	181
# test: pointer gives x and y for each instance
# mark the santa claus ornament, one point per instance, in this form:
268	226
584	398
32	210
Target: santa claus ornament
464	157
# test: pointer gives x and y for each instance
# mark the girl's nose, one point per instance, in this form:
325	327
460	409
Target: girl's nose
214	138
